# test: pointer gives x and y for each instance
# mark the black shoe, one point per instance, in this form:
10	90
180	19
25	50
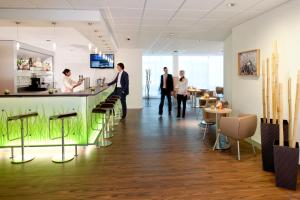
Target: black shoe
170	113
178	116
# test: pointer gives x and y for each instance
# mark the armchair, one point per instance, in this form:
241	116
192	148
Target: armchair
239	128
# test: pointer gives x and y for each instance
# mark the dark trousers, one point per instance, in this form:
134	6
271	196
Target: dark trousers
165	93
118	91
181	98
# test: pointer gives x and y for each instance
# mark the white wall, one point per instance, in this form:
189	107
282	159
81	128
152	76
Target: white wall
132	59
228	65
7	66
78	62
281	24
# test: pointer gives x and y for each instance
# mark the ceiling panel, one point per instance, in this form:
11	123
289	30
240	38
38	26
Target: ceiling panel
126	20
164	4
240	5
269	4
155	22
61	4
126	12
208	23
155	28
126	27
126	3
221	14
183	22
201	4
158	13
16	4
194	14
86	4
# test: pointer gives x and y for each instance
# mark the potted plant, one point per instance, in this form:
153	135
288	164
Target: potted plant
269	127
286	153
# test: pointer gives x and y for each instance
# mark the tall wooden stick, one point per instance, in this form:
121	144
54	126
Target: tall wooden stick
268	89
290	112
264	91
296	111
275	82
274	107
276	92
280	115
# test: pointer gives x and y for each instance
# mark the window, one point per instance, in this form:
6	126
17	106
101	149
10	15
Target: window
156	65
205	72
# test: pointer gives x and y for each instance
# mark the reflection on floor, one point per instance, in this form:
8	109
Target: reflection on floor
150	158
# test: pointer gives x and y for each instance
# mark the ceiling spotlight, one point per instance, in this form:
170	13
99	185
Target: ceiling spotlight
90	23
96	31
230	4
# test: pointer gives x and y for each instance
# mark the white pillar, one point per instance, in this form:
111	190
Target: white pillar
175	66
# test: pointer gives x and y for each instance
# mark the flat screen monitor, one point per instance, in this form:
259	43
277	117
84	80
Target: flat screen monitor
102	61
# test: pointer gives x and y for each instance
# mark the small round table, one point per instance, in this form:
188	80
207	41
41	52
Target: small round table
207	99
221	141
193	93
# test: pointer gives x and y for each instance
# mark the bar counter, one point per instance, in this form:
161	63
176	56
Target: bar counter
40	131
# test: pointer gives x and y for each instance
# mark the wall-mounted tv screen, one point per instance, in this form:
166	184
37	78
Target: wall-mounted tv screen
102	61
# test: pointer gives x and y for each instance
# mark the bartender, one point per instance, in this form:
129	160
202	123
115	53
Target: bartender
69	84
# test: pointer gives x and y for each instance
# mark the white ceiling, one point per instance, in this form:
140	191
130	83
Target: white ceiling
43	37
199	26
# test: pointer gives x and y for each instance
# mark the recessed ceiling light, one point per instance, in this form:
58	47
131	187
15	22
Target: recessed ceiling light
90	23
230	4
96	31
48	40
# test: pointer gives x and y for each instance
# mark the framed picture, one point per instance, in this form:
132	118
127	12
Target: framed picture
249	63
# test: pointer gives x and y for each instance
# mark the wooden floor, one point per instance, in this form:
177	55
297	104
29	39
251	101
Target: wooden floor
150	158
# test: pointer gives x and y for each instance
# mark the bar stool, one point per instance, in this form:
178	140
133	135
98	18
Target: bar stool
117	107
102	142
22	158
115	112
62	158
109	107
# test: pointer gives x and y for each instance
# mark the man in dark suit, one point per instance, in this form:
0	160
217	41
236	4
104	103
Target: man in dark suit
166	88
122	87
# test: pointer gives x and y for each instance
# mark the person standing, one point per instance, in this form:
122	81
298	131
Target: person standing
166	88
69	84
182	94
122	87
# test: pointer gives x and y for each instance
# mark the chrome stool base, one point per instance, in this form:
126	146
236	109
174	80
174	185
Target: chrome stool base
104	143
60	159
108	135
20	160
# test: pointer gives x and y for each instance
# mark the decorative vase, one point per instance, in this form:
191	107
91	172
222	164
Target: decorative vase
286	161
269	133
